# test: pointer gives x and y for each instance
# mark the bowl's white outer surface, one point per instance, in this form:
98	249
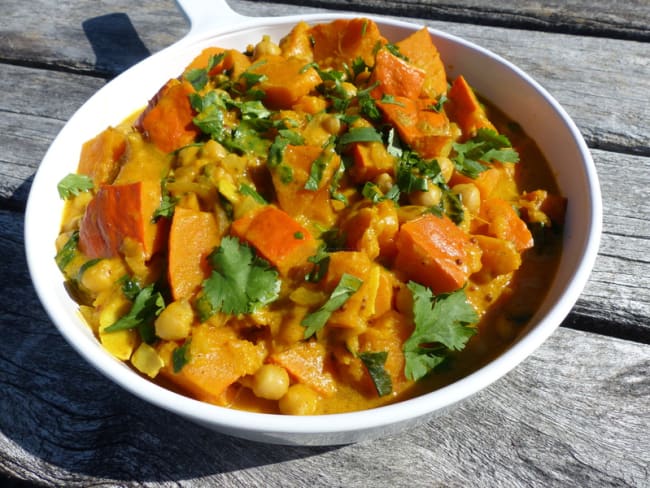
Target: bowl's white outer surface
499	81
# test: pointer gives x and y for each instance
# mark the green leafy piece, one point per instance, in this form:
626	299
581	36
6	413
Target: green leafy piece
248	190
88	264
181	356
73	184
437	107
130	287
390	99
360	134
240	281
321	261
374	363
394	50
442	324
199	77
367	103
318	166
67	253
315	321
487	146
146	307
372	192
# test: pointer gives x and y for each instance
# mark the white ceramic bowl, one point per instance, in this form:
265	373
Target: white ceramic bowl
213	23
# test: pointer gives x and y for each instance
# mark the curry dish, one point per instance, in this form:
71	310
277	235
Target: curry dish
319	225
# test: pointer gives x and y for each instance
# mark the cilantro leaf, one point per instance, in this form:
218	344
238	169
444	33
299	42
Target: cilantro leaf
374	363
146	307
240	281
73	184
248	190
181	356
67	253
442	324
315	321
487	146
360	134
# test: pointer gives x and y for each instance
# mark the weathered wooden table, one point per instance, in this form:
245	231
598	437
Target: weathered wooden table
576	413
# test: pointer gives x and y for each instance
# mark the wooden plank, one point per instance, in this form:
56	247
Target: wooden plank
568	416
622	20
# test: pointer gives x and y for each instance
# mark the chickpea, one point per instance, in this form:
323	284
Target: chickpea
446	168
299	400
429	198
384	182
101	275
174	323
266	47
469	195
271	382
331	124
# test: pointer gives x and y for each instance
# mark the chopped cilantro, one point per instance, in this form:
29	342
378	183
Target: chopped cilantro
374	363
88	264
181	356
240	281
319	165
487	146
130	287
199	77
315	321
394	50
360	134
146	307
372	192
442	324
248	190
437	107
73	184
67	252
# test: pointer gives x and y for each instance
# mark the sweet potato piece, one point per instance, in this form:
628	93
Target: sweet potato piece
370	160
277	237
372	230
388	333
297	44
292	196
434	252
202	60
168	124
465	109
504	222
486	182
118	212
361	306
286	80
100	156
426	131
396	76
422	52
344	40
307	363
499	256
192	237
217	359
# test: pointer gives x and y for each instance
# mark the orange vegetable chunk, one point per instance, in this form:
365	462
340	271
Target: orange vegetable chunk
192	237
286	80
292	196
344	40
396	76
422	52
168	123
100	156
217	359
307	363
425	130
505	223
434	252
118	212
465	109
277	237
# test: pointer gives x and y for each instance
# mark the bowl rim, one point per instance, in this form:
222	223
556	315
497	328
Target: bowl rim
251	423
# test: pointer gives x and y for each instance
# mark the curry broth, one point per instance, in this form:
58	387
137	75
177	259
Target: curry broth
310	194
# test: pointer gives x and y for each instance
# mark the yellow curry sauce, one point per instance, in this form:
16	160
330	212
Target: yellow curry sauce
323	225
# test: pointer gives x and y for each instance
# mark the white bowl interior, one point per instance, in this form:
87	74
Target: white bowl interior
506	86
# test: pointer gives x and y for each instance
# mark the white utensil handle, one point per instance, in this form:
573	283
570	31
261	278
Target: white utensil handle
205	15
